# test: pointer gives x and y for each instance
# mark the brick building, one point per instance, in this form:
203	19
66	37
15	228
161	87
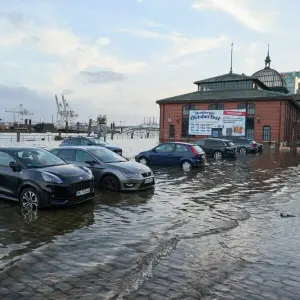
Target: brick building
272	115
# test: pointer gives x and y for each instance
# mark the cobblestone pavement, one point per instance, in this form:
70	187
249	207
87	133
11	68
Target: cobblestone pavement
215	233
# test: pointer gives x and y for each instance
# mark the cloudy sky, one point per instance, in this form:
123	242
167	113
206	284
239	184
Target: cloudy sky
118	57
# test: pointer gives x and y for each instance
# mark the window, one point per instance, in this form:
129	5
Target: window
231	85
250	109
82	156
5	159
242	106
55	152
249	106
171	131
267	133
185	119
85	142
164	148
67	155
216	106
66	142
107	156
185	128
201	142
181	148
38	158
74	141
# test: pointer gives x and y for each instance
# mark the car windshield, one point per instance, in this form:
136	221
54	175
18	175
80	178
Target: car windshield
97	141
38	158
197	148
107	156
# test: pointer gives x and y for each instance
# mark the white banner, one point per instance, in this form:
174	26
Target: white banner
232	122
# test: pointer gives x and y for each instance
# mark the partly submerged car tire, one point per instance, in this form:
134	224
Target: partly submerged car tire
186	165
30	199
218	155
143	160
110	183
243	150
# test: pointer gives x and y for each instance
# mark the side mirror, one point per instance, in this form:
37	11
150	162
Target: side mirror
154	150
15	167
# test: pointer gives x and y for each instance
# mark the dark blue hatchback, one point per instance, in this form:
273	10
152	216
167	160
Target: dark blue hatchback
89	141
185	155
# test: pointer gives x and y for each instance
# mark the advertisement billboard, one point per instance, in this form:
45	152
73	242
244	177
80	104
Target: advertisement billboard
232	122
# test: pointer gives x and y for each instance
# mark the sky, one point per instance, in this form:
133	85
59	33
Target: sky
118	57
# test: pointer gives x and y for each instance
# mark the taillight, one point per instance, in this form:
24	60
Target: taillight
194	150
253	145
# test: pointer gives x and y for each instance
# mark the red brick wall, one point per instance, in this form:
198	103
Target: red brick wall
268	112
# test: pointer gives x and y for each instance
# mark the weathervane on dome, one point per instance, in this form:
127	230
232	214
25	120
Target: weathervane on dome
268	59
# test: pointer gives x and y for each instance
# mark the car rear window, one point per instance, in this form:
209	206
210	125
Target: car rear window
197	148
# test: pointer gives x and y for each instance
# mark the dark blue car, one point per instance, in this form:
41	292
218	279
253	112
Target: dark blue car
182	154
89	141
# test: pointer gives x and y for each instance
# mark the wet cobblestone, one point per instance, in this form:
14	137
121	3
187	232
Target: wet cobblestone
191	238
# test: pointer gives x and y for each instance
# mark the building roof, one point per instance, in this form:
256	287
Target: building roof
217	96
225	77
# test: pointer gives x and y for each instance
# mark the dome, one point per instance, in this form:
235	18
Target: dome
269	77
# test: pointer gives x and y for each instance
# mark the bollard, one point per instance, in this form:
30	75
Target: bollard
18	136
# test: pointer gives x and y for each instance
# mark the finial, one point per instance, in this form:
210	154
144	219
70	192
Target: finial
231	58
268	59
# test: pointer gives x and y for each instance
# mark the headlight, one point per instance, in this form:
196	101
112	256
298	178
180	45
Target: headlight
86	170
131	174
50	177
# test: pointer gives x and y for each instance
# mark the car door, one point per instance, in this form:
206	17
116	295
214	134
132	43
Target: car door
8	178
181	151
82	158
208	147
162	154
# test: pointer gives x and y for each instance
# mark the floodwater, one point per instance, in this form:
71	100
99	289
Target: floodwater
182	240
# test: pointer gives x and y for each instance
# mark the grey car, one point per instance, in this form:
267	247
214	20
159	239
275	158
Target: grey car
111	171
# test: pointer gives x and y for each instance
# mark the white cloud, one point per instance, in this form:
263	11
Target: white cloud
70	53
152	23
243	11
180	44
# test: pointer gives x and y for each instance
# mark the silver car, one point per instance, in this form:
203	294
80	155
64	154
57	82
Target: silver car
111	171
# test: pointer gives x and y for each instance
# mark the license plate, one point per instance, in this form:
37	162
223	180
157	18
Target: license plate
83	192
148	180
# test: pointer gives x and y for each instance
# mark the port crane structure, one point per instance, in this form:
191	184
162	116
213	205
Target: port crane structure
65	115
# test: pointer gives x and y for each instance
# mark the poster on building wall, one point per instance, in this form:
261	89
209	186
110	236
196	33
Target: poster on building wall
232	122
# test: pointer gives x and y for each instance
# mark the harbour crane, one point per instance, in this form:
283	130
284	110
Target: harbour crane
19	114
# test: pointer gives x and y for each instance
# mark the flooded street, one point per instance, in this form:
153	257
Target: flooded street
213	233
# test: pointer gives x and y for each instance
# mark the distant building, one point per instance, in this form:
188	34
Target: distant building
292	80
259	107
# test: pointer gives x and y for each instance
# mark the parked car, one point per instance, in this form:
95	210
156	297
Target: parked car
244	145
111	171
90	141
218	148
36	178
185	155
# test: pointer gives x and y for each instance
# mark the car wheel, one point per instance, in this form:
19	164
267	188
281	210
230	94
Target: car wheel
30	199
218	155
143	160
243	150
110	183
186	165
